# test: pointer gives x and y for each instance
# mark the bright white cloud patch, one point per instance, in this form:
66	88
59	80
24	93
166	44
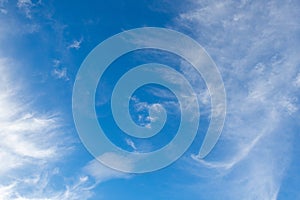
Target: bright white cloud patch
32	145
29	142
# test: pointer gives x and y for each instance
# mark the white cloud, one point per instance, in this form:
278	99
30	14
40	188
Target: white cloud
80	189
32	143
258	62
56	62
3	10
25	6
22	130
75	44
140	106
60	73
130	143
31	148
297	81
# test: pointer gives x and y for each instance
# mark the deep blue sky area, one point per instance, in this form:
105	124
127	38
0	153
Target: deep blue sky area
255	45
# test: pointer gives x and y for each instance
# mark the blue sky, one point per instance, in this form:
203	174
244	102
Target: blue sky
256	46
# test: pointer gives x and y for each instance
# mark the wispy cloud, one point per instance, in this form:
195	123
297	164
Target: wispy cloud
56	62
76	44
297	81
32	147
130	143
60	73
25	6
29	138
3	10
254	45
142	108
